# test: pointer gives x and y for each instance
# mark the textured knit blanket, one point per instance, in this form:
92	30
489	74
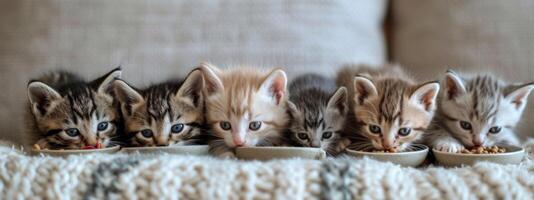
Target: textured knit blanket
121	176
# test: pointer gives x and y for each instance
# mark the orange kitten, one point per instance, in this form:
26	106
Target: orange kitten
244	107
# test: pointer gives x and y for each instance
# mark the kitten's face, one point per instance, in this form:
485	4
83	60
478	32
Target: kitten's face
322	129
244	107
166	114
480	111
392	113
83	115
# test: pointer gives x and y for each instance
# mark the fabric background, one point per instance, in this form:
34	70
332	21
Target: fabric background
157	39
481	36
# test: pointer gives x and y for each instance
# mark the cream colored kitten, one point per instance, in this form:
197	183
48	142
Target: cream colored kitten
244	107
389	110
477	111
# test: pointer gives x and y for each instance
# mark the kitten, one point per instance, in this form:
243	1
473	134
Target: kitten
390	111
244	107
318	110
477	111
70	113
168	113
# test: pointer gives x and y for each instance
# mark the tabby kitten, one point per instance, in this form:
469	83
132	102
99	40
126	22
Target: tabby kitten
168	113
70	113
244	107
389	109
477	111
318	110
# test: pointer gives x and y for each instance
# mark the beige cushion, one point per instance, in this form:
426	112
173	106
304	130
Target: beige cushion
157	39
430	36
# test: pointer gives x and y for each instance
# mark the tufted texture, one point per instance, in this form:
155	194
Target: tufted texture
164	176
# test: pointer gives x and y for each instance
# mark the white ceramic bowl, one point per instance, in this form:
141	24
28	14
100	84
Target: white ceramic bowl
180	150
68	152
513	155
268	153
408	158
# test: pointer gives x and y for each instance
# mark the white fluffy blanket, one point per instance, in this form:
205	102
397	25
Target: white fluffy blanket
123	176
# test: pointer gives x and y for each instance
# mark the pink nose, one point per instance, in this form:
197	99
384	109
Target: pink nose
239	142
477	143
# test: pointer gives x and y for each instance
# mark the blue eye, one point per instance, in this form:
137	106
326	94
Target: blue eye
375	129
327	135
72	132
254	125
303	136
405	131
102	126
495	129
147	133
225	125
466	125
177	128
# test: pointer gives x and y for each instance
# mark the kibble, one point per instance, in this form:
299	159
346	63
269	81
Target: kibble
485	150
384	151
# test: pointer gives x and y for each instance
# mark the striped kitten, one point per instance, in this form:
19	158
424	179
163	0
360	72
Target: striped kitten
318	110
390	110
477	111
70	113
168	113
245	107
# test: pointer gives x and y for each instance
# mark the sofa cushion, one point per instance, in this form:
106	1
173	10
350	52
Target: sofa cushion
429	36
157	39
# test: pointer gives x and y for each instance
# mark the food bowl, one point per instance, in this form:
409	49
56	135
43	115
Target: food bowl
180	150
269	153
67	152
513	155
412	158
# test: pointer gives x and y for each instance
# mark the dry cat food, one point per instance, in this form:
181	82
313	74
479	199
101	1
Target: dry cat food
97	146
384	151
484	150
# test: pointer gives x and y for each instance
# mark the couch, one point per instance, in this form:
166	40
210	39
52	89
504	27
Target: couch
159	39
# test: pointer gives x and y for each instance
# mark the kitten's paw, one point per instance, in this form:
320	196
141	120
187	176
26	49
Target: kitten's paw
451	147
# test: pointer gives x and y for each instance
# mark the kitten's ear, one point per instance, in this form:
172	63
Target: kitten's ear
104	84
42	98
128	96
453	85
213	83
275	85
425	96
364	88
191	88
519	95
292	109
339	101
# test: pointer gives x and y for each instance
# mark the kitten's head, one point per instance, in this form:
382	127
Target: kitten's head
481	111
392	113
74	114
165	114
319	123
245	106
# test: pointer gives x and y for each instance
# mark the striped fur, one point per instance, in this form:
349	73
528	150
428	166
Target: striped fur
238	98
318	110
482	101
388	99
61	103
159	108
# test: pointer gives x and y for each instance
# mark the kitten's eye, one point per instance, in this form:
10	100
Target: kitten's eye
405	131
177	128
225	125
495	129
254	125
102	126
374	129
147	133
72	132
465	125
327	135
303	136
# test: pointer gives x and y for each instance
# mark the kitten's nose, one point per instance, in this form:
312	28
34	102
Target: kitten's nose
477	143
239	142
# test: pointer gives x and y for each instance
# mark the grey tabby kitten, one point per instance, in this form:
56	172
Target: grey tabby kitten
67	112
477	111
168	113
318	110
